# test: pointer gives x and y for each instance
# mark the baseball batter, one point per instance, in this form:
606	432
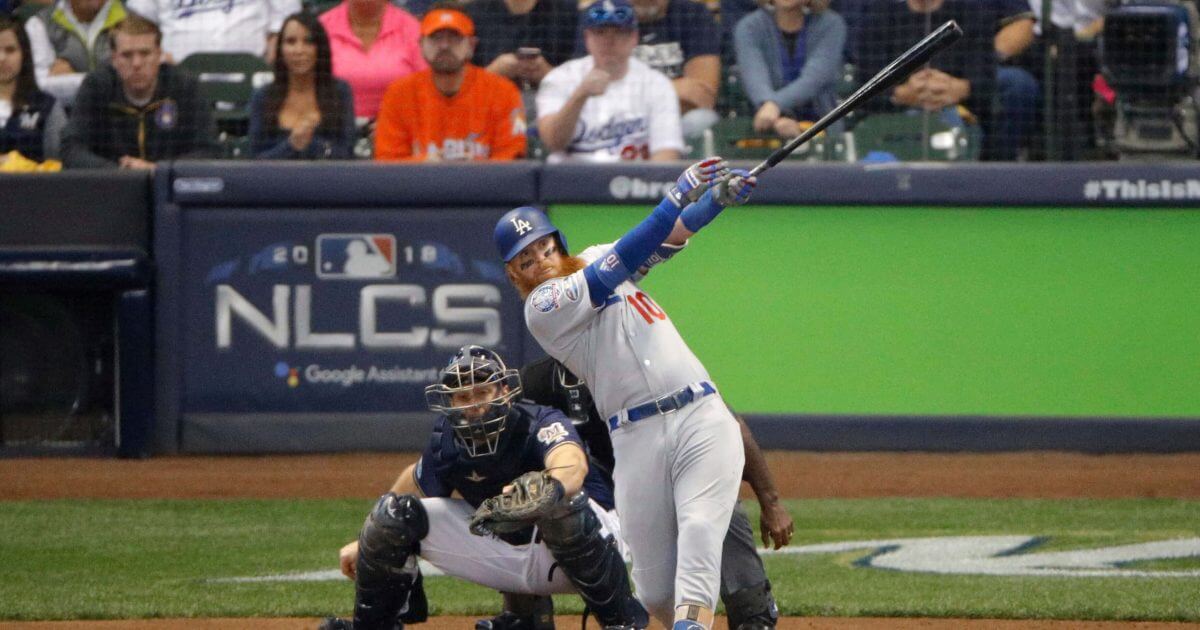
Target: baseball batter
745	590
678	449
485	445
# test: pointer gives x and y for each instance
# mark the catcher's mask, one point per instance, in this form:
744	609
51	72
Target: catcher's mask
475	394
575	394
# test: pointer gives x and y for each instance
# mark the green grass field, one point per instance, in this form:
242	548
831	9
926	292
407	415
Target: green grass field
131	559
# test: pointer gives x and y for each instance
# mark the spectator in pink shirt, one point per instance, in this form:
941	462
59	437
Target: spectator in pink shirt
373	44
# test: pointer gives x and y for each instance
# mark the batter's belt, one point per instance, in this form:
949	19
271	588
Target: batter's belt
674	401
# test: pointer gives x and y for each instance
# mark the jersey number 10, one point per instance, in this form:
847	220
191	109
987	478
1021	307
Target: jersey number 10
645	307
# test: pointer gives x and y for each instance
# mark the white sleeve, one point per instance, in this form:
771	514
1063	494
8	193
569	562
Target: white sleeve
278	11
665	129
558	311
593	253
43	50
145	8
554	91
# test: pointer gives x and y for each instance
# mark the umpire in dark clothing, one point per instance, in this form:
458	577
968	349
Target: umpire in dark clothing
138	111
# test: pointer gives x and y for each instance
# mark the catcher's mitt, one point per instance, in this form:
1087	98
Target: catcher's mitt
532	496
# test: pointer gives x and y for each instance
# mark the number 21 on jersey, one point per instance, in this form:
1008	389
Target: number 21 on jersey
645	307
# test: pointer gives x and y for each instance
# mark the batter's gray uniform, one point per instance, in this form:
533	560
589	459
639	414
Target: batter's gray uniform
678	473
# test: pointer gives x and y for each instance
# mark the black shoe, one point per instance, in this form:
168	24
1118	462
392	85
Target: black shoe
335	623
755	625
505	621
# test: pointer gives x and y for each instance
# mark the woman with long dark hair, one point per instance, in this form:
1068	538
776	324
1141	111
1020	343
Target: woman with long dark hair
306	114
31	121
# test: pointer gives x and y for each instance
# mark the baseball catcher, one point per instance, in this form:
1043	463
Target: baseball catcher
533	519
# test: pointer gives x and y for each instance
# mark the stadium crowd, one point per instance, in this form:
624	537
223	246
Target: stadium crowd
128	83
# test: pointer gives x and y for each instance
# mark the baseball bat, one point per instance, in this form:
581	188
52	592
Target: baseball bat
900	68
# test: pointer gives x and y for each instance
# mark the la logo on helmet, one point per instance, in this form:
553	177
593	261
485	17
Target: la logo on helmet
521	225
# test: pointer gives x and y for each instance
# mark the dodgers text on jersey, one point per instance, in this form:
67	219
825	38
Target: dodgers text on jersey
613	133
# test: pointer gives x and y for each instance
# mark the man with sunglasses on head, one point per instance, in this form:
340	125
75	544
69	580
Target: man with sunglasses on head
484	444
608	106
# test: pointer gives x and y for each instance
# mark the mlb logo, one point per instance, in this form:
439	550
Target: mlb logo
356	256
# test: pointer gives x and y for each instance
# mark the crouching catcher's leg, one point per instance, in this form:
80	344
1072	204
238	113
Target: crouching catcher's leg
388	583
592	562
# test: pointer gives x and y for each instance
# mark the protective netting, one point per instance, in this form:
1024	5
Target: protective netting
363	79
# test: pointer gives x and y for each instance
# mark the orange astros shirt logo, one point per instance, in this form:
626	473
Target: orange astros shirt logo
469	148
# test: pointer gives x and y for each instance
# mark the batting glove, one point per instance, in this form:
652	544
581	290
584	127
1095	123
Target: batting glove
696	179
734	189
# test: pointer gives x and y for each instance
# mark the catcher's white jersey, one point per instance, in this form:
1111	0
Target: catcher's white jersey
637	115
630	339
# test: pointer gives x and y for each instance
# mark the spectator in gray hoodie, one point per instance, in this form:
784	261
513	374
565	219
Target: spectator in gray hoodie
789	57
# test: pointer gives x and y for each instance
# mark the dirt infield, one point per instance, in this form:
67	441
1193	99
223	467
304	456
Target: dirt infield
798	475
458	623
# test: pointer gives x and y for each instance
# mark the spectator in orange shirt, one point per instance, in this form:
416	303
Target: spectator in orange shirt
454	110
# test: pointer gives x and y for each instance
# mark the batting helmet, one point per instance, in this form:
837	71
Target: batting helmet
475	394
521	226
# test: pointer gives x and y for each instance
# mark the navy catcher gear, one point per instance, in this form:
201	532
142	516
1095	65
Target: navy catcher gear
520	227
475	394
388	581
593	564
522	612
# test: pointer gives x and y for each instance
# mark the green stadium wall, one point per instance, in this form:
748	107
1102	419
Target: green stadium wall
1030	312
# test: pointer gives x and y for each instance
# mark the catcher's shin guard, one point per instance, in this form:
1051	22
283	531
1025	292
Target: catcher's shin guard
752	608
386	566
522	612
592	563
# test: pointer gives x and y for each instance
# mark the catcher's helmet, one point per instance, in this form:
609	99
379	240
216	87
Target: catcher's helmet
475	394
520	227
574	393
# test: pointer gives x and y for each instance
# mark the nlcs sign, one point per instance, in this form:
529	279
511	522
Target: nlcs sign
290	323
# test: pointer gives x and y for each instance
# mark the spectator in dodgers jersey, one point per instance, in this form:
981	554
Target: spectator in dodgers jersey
608	106
138	110
454	110
524	39
194	26
374	43
680	39
305	113
790	60
31	121
71	38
